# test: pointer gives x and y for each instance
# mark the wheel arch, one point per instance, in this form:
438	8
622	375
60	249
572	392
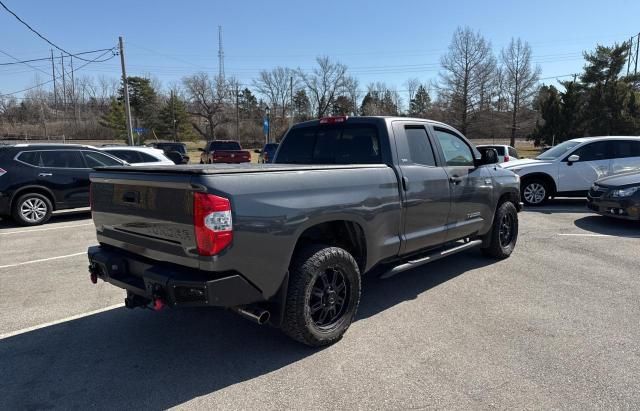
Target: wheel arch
540	176
33	189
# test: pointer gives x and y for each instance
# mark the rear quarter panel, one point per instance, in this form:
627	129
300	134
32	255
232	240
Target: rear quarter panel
272	210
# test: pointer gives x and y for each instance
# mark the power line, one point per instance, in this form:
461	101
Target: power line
26	63
18	61
40	35
96	60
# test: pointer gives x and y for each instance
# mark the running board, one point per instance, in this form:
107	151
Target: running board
433	256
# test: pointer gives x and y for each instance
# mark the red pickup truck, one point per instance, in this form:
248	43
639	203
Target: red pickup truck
224	151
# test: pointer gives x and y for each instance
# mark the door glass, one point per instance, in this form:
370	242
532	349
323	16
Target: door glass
146	158
420	151
31	157
129	156
99	160
61	159
456	152
627	148
593	152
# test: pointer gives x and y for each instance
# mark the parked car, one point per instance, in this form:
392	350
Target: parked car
267	153
37	179
176	152
139	156
616	196
570	169
505	153
224	151
287	244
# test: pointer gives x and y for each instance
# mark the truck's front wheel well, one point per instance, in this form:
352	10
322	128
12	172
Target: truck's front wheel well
344	234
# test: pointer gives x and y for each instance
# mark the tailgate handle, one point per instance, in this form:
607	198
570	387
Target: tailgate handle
131	197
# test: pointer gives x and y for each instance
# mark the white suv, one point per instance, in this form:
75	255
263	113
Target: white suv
569	169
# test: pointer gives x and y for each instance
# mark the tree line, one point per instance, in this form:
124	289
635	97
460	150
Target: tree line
483	94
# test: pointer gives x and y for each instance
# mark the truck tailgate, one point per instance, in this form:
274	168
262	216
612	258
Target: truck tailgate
149	217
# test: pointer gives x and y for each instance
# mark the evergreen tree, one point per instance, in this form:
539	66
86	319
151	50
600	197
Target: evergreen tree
421	103
115	119
174	120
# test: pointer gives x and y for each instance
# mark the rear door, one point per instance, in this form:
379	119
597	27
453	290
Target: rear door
626	156
594	163
65	174
425	188
471	187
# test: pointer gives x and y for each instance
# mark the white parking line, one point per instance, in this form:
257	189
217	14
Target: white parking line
596	235
64	320
45	229
43	259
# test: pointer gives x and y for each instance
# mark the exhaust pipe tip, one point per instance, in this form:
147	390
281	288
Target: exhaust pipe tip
255	314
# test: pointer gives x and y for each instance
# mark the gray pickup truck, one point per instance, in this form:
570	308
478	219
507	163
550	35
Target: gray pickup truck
288	242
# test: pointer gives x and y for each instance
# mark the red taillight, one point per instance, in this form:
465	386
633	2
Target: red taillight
213	224
2	172
506	158
333	120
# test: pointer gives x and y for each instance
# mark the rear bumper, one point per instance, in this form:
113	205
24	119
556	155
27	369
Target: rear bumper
625	209
175	285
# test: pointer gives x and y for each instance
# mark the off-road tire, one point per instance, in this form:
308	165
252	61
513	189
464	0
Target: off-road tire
496	245
306	268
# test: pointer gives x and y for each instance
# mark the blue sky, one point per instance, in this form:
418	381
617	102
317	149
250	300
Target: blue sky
379	41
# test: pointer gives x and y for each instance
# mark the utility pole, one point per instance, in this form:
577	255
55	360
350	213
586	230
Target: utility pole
125	87
220	55
55	93
173	116
237	112
73	94
635	70
291	98
64	89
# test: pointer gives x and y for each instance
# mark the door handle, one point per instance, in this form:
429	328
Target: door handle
455	180
405	183
45	174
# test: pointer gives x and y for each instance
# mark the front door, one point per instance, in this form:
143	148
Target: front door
425	188
471	186
64	173
594	163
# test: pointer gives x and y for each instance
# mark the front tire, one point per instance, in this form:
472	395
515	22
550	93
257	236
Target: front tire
535	192
502	238
32	209
323	295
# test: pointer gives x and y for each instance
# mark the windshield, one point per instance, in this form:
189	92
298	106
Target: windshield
557	151
224	146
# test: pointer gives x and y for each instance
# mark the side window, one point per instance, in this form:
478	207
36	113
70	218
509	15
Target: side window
626	148
61	159
593	151
94	159
31	157
146	158
456	152
420	150
127	155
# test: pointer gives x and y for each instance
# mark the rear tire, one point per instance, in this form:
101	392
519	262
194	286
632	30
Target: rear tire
535	192
502	238
32	209
323	295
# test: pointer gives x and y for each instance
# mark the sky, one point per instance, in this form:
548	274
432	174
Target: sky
379	41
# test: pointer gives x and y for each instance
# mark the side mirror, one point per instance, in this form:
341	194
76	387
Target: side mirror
200	149
489	156
572	159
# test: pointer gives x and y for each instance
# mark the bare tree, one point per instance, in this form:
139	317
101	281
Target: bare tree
206	97
324	83
520	77
352	85
412	85
466	71
275	85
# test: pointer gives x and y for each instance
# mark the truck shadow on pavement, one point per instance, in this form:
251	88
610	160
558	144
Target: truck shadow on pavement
609	226
128	359
561	206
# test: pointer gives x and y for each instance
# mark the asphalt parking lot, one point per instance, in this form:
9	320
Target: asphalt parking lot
554	326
